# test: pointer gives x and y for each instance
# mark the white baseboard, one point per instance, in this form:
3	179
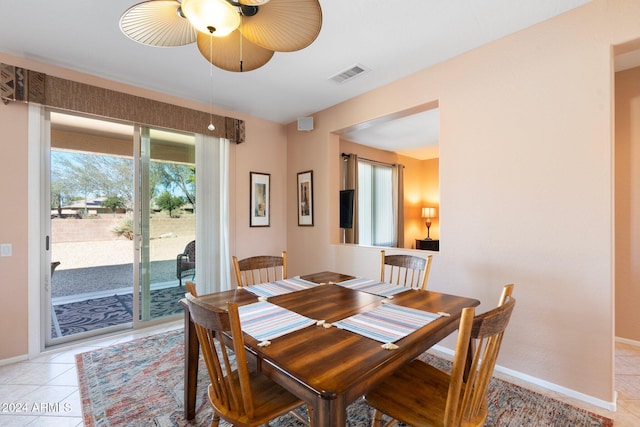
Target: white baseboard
610	406
15	359
628	341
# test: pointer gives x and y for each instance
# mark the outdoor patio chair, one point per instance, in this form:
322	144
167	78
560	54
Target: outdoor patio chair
54	264
186	262
54	318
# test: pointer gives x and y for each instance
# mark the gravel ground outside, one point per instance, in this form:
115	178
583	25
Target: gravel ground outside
105	265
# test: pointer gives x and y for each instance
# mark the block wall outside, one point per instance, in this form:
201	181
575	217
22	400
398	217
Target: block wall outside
101	228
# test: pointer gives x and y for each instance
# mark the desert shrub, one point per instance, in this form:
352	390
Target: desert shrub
124	228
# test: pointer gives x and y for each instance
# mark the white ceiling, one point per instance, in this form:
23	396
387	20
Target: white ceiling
392	39
416	135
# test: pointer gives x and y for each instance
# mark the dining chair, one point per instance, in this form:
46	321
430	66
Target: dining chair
420	394
260	269
406	270
239	396
186	262
191	288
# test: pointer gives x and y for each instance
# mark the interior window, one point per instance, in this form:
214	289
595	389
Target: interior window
375	205
408	139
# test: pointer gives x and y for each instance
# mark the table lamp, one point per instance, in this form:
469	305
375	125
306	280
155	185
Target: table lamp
428	213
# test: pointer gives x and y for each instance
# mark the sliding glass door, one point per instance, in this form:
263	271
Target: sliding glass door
91	193
167	220
122	211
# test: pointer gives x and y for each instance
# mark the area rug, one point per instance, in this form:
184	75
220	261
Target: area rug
97	313
140	383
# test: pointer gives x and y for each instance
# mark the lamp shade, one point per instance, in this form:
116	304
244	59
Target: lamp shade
428	212
216	17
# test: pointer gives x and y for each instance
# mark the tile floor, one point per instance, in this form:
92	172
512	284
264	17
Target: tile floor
44	391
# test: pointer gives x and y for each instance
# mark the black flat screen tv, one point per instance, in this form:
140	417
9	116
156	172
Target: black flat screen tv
346	208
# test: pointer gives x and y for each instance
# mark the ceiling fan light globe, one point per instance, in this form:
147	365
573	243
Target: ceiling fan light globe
207	14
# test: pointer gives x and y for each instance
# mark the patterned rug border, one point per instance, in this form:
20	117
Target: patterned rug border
107	391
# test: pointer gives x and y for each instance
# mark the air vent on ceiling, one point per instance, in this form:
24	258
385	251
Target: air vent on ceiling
348	74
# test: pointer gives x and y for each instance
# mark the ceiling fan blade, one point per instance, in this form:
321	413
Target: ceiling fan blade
157	23
227	53
284	25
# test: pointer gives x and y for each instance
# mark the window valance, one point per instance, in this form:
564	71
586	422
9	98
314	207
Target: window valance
19	84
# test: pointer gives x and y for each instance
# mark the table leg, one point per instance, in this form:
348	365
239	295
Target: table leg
329	413
192	355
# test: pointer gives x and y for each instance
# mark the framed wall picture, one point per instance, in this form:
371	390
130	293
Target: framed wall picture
259	205
305	198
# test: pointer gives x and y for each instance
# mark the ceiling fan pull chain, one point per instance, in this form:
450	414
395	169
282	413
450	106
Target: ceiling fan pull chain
241	37
211	127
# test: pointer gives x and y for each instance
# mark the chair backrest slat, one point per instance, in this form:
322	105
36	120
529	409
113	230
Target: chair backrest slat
260	269
405	270
453	411
241	359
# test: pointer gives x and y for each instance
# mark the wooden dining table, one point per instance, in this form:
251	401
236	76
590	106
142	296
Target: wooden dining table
327	367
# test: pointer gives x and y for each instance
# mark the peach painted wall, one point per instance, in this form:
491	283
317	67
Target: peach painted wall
627	204
526	188
430	197
13	229
263	151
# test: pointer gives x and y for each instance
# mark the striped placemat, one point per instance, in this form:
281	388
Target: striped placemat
265	321
372	286
279	287
387	323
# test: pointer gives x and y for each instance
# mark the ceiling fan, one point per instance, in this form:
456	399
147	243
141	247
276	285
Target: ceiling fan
233	35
